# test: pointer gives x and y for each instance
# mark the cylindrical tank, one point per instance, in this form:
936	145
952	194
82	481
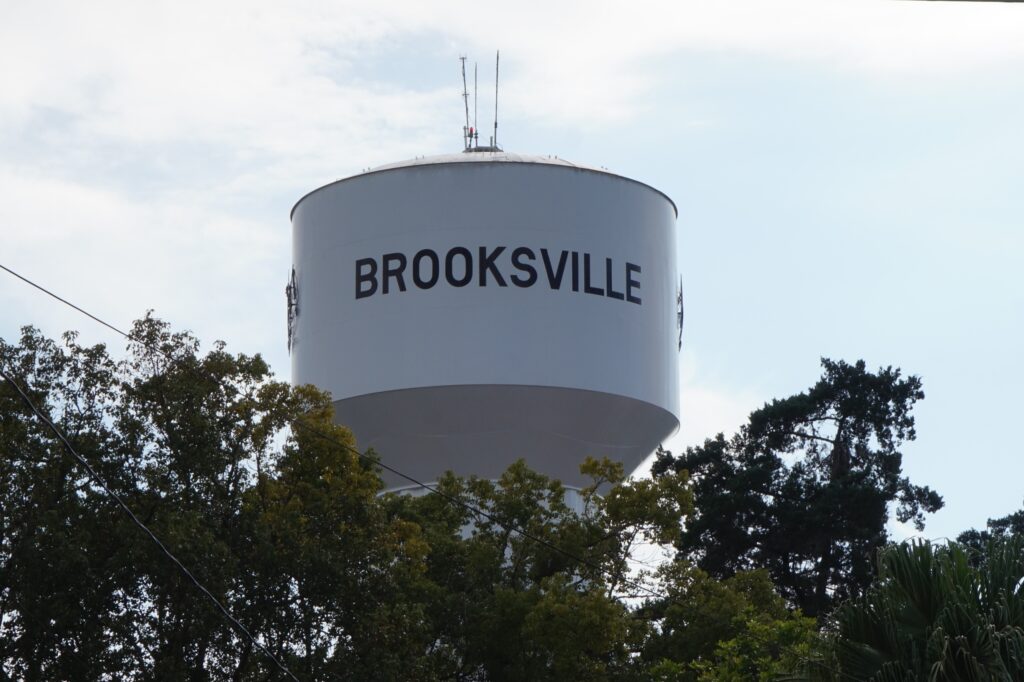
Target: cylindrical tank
471	309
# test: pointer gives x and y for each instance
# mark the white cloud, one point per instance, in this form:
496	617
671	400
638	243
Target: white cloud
117	257
592	62
247	77
150	151
273	95
285	78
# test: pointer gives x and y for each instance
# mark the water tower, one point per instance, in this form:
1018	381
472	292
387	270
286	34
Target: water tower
466	310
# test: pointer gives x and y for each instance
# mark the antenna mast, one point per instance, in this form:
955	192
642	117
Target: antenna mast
476	133
497	57
471	133
466	131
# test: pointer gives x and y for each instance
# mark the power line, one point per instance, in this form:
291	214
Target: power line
298	423
138	522
365	457
65	301
476	511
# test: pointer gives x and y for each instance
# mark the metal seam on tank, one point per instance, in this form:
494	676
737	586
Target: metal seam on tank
582	169
362	396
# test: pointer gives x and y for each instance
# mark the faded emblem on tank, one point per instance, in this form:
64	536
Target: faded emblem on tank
679	313
291	292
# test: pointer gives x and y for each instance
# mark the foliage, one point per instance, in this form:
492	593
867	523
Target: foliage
550	607
714	631
281	527
764	650
805	488
248	481
933	615
1005	527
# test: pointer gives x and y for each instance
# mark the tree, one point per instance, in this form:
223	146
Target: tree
557	605
1005	527
251	484
504	606
932	615
281	526
805	488
711	630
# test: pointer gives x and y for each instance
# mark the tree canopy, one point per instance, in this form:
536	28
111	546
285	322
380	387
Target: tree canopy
1011	525
804	490
935	613
269	503
284	531
508	580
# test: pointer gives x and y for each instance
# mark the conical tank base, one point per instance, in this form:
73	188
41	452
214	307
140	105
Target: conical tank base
481	430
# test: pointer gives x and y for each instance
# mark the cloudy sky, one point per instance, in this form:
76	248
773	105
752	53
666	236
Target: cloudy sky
849	176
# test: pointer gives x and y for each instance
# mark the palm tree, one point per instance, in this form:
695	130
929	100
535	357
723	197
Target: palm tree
936	613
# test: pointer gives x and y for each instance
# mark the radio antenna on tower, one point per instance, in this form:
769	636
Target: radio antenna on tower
467	132
497	57
470	131
476	133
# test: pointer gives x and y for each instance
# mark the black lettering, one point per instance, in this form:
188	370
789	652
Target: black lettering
598	291
554	276
632	283
517	260
435	269
608	280
575	271
487	265
393	271
364	277
449	269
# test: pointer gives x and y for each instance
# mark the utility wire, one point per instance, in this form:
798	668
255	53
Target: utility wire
476	511
626	581
138	522
362	455
65	301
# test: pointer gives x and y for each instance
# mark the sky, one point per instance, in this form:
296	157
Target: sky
848	175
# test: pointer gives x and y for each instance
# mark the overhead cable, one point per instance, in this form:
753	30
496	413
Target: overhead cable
480	513
138	522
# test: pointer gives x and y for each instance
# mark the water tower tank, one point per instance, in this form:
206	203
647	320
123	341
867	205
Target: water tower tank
470	309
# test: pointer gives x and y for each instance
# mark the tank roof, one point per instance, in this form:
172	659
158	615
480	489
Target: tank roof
483	156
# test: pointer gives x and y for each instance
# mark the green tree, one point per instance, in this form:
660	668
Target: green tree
806	487
718	630
503	606
253	487
933	614
281	526
1005	527
56	590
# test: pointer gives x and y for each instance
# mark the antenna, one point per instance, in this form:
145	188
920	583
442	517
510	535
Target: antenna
471	133
497	57
466	134
476	134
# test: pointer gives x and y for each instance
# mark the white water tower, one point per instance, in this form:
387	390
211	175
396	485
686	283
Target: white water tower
470	309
